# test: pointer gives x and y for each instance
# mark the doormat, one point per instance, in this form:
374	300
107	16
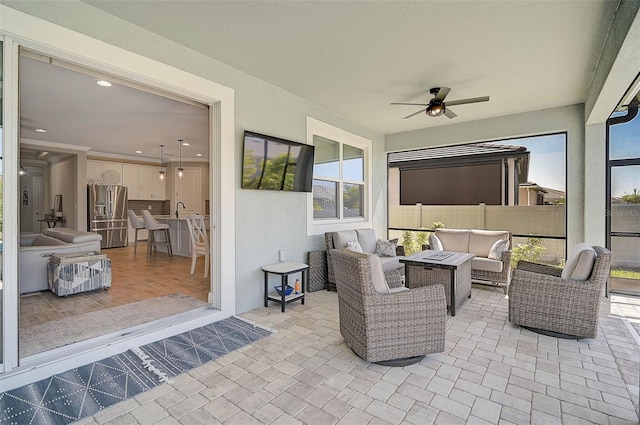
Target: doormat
82	392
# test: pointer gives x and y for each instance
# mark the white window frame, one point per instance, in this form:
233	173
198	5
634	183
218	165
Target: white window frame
343	137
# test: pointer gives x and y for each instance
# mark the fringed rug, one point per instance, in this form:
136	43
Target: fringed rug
82	392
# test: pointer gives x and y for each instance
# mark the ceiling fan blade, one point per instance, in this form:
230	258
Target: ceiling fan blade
442	93
415	113
470	100
413	104
449	113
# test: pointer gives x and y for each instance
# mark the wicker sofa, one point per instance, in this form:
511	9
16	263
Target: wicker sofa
479	242
561	301
367	240
394	327
37	248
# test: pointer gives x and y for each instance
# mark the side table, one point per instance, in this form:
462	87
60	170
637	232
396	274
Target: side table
284	270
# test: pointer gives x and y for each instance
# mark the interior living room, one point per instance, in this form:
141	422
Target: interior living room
361	81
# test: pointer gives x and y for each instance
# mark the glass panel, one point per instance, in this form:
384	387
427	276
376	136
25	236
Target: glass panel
624	139
1	209
325	203
353	197
352	164
326	161
625	264
625	198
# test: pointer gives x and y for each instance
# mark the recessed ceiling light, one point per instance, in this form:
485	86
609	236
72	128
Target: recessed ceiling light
198	154
103	83
185	143
40	130
138	151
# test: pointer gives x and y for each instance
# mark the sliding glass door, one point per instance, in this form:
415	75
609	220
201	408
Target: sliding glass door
624	201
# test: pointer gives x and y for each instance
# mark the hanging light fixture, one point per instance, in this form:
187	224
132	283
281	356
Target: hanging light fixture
162	171
180	169
23	171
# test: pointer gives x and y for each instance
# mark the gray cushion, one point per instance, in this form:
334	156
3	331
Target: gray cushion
501	245
42	240
435	243
72	235
580	262
377	275
367	239
340	239
386	248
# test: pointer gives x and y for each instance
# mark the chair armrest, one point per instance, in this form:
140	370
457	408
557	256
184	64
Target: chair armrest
393	278
539	268
414	301
400	251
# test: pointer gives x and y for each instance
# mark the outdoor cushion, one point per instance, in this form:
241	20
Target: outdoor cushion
501	245
377	275
435	243
486	265
390	263
354	245
367	239
580	262
340	239
481	241
386	248
456	240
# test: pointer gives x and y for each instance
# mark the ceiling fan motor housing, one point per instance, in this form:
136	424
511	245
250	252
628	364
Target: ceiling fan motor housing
435	108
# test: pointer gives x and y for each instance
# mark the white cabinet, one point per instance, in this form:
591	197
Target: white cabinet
104	172
130	180
150	187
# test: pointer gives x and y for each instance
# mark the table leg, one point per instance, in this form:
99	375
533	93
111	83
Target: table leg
304	285
266	284
453	292
284	288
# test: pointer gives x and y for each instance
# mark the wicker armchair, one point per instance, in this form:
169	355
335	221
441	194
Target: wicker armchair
396	328
539	298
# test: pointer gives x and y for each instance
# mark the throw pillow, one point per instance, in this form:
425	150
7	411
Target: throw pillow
501	245
386	248
435	243
354	245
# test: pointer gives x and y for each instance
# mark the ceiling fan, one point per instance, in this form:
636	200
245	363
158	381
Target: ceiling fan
437	106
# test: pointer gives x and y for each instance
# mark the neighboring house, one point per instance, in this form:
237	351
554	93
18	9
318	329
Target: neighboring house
252	226
472	174
531	194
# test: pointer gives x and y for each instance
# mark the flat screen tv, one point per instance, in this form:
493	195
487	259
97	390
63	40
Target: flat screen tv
271	163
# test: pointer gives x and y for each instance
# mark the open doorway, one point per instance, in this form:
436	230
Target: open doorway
69	125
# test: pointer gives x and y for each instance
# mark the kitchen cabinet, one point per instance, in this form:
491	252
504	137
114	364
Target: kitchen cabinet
150	187
96	171
130	179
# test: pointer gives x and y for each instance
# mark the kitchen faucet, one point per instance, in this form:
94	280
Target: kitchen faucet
183	207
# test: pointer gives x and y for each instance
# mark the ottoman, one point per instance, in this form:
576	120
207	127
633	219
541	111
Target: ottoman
73	273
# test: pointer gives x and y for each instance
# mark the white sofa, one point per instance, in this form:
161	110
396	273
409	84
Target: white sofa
36	248
479	243
367	239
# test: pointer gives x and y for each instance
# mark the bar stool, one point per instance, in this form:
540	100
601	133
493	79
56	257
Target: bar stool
153	226
137	224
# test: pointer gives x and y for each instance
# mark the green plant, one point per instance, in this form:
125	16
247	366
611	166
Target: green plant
631	198
413	240
532	250
627	274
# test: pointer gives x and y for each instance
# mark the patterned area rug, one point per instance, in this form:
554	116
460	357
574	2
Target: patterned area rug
39	337
82	392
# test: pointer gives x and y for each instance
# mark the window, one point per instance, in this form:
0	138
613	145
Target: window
341	178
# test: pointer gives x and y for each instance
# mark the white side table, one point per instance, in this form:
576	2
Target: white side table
284	270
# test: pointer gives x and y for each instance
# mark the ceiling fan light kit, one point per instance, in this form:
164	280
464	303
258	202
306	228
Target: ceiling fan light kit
437	106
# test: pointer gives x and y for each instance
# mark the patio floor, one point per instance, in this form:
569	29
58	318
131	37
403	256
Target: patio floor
491	372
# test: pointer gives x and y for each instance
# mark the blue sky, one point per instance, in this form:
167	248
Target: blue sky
546	159
624	142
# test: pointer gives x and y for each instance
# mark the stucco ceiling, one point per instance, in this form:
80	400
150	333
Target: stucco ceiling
356	57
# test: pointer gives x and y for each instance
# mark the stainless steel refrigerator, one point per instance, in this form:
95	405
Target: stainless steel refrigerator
107	213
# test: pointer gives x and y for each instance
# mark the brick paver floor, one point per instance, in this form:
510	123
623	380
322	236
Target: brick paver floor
491	372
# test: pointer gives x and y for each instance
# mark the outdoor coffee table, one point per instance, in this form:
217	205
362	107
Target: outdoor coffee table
452	269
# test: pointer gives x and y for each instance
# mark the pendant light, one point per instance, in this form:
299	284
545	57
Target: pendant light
180	169
23	171
161	172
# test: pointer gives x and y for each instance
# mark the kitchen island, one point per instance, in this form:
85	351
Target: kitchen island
179	231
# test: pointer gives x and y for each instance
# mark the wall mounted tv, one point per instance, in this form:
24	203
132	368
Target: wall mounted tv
271	163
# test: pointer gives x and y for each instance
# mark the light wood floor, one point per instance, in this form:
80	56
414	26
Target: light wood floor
134	278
